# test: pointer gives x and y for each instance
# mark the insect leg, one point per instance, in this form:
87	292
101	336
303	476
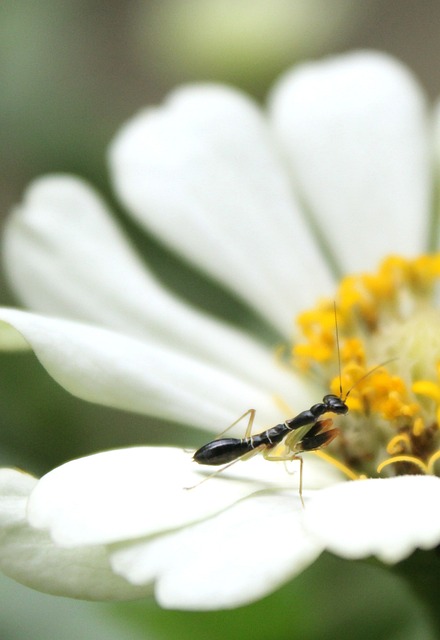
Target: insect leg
301	462
251	413
268	455
245	456
211	475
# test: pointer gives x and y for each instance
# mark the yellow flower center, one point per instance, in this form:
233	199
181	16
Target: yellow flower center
388	318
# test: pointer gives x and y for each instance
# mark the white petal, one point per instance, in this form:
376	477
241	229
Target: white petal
240	555
355	132
104	367
127	493
29	556
65	255
203	173
388	518
27	614
15	487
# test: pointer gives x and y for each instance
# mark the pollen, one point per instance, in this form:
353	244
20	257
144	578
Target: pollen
377	341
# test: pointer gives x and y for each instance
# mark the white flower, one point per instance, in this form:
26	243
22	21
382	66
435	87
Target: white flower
334	178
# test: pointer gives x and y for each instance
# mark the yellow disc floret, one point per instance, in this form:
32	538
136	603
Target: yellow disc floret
385	360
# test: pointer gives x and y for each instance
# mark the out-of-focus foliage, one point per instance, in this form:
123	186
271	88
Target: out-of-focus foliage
27	614
246	42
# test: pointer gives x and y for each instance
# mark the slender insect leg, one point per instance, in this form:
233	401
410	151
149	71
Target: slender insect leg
251	413
246	456
301	462
287	458
211	475
248	432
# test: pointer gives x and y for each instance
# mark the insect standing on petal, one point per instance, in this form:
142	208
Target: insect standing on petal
283	442
304	432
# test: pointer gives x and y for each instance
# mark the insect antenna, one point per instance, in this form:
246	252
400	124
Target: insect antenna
382	364
339	350
379	366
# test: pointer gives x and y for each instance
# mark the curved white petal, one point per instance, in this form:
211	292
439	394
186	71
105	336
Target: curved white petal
388	518
15	487
65	255
239	555
355	131
127	493
30	557
101	366
11	340
202	173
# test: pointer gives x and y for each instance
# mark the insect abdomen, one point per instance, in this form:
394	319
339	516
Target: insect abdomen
222	451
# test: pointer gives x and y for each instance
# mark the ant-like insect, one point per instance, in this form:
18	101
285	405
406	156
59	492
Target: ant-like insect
305	432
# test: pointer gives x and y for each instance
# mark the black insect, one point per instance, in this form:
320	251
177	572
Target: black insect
285	441
304	432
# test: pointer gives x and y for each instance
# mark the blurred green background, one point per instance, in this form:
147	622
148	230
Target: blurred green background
70	74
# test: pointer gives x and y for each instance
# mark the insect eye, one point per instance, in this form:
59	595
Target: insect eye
335	404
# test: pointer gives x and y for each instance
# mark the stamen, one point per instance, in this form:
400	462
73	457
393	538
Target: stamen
418	427
339	465
428	389
393	447
283	406
432	460
411	459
